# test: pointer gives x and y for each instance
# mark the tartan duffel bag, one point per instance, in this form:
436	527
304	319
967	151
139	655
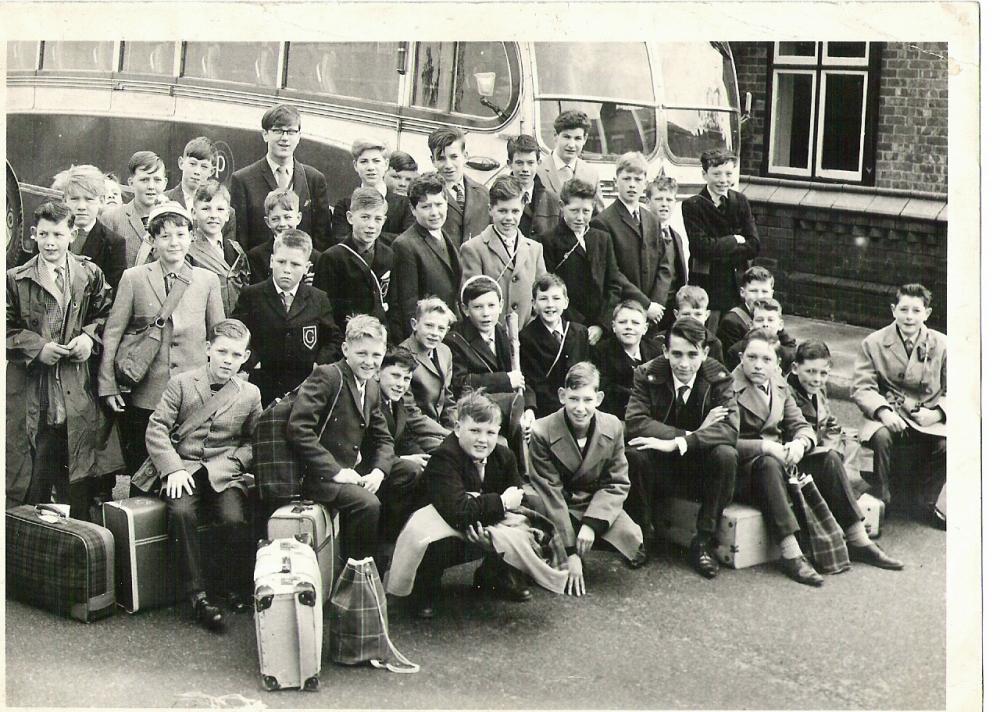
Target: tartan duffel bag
820	537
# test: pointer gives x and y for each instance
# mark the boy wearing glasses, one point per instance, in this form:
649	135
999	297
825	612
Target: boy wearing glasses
281	130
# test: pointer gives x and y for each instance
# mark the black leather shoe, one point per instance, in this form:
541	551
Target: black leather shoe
236	602
207	615
936	518
511	585
702	559
639	560
873	555
801	571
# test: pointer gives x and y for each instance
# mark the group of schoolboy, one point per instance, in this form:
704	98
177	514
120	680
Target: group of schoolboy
548	392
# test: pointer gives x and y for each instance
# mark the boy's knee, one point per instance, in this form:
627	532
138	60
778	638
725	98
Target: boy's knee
182	507
881	439
724	457
771	468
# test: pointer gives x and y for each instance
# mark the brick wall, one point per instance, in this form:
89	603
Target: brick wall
751	72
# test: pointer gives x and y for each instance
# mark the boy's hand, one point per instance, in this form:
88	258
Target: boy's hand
512	497
178	482
420	460
584	539
740	240
926	416
347	476
308	277
80	347
594	334
477	534
373	480
645	443
654	312
574	584
794	451
116	403
774	449
516	380
527	420
716	415
51	353
891	420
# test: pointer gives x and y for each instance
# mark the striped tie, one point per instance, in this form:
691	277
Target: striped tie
459	194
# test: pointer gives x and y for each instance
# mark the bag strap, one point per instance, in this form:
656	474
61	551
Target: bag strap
226	395
562	345
401	664
173	299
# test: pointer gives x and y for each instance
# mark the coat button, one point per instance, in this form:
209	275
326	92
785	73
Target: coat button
514	278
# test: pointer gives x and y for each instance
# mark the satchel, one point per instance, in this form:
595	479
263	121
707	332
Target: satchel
820	537
359	631
140	345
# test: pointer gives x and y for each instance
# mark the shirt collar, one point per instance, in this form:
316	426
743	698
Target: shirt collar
590	428
560	163
915	338
49	269
85	228
559	331
274	166
294	290
678	383
716	196
630	211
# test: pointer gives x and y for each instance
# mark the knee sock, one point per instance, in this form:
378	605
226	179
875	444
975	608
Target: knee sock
857	535
790	547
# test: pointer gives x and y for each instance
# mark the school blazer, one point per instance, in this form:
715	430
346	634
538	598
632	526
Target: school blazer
485	254
592	487
542	213
421	267
106	249
456	490
249	187
475	366
124	220
260	260
829	433
617	372
545	366
550	178
781	421
285	345
222	444
885	377
585	307
461	224
140	295
430	391
673	248
645	270
734	325
398	217
717	259
653	399
356	435
350	285
176	194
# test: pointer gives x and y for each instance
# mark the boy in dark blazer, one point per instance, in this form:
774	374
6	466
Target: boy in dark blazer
692	301
468	201
583	256
620	354
425	261
681	426
755	283
355	273
643	262
721	232
370	165
83	191
766	315
541	206
281	211
281	128
580	474
430	400
338	430
661	194
204	469
550	345
291	324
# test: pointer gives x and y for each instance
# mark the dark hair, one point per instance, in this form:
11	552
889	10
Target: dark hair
505	188
400	356
230	328
478	286
402	161
443	137
145	160
201	148
423	185
767	304
717	157
691	330
55	213
156	225
760	334
366	197
756	274
546	282
572	119
207	192
914	290
662	183
808	350
281	115
576	188
581	375
522	144
478	407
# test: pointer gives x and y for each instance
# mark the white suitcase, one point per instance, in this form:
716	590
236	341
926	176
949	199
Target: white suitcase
742	534
306	517
873	510
288	614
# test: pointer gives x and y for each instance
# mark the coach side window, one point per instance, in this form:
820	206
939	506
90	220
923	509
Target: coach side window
455	77
79	56
148	58
253	63
361	70
22	56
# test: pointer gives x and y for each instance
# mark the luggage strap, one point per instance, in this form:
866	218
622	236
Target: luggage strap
302	619
400	664
225	396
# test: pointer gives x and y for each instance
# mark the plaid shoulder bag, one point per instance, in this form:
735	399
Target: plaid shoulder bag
821	538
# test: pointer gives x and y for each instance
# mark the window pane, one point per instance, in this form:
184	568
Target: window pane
482	66
84	56
796	49
243	62
843	122
614	128
616	70
148	58
365	70
432	87
696	74
792	120
22	55
690	133
846	49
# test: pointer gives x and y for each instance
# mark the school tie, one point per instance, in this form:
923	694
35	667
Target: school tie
635	216
556	336
908	345
282	177
763	388
215	387
723	202
565	172
286	300
481	469
79	237
491	343
526	198
459	195
168	281
60	282
682	393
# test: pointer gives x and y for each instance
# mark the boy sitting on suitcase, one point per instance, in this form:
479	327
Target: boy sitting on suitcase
199	443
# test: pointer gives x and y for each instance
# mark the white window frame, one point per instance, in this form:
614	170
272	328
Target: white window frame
846	61
838	174
796	58
786	170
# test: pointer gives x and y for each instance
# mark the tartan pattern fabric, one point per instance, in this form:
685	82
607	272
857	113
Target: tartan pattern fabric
278	473
821	538
56	565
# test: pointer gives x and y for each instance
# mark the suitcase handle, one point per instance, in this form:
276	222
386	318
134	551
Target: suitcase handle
300	505
41	509
286	564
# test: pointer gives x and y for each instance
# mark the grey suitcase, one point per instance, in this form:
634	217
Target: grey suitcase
306	517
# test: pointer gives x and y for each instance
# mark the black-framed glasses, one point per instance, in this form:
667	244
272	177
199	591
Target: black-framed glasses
284	132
